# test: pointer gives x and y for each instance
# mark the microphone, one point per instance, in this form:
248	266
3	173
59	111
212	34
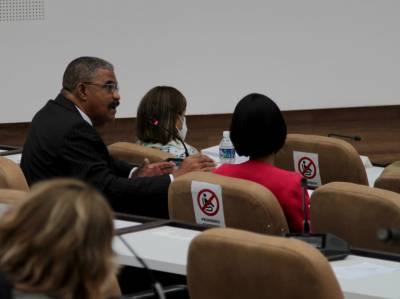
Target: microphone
156	123
155	285
355	137
389	234
328	244
306	224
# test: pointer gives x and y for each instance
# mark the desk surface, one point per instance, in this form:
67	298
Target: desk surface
165	249
363	277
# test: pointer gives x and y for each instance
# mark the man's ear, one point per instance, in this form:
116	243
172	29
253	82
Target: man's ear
81	91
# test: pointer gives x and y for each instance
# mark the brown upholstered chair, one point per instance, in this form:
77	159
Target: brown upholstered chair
355	213
338	159
11	175
246	205
230	263
13	185
135	153
390	178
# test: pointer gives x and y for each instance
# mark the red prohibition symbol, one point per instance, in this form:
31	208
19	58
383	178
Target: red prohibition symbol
208	202
307	168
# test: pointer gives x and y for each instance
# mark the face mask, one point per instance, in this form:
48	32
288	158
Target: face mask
182	132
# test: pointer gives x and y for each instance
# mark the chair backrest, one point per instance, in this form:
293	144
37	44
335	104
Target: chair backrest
230	263
135	153
338	160
389	178
355	213
245	204
11	175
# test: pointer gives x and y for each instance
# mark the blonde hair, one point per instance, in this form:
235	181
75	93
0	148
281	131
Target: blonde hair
58	241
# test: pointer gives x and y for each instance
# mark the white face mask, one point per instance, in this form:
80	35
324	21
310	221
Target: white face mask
182	132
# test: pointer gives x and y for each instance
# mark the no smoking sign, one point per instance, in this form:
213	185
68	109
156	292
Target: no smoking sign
307	165
207	203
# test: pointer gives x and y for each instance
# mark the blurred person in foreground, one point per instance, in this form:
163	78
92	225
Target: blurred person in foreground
56	243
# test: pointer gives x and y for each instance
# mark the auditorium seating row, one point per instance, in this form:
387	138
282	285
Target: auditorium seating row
344	205
339	160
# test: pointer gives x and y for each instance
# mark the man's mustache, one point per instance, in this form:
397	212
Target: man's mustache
113	105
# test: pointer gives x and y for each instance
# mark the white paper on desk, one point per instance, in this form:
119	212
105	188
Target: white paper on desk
16	158
212	151
362	270
175	232
373	173
366	161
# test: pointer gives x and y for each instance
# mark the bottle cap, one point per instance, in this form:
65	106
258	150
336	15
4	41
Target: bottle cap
226	134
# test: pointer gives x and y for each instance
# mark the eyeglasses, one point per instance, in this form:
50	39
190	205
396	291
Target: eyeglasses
109	87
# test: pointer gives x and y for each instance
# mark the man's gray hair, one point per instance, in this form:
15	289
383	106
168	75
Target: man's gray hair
83	69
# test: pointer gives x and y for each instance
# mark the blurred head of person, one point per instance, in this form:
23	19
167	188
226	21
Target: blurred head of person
161	116
57	241
258	128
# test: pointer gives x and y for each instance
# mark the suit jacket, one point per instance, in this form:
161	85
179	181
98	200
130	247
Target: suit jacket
60	143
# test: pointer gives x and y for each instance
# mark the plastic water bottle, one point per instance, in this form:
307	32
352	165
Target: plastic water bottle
226	149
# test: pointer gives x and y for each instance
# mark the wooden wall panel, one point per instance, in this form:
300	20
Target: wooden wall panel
378	127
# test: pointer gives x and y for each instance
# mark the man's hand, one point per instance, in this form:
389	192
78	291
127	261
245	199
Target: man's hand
195	163
152	169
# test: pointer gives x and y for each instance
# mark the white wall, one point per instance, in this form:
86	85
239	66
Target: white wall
302	53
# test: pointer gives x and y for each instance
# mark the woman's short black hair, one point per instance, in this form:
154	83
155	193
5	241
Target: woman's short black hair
258	128
157	114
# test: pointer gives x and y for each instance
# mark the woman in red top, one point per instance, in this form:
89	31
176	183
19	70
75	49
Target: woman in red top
258	131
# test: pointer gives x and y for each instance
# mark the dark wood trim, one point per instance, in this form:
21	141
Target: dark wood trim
378	127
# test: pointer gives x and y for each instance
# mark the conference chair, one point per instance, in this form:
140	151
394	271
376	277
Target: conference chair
244	204
135	153
355	213
389	178
13	185
235	264
338	160
11	175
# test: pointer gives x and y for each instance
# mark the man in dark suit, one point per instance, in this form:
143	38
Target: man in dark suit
63	142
